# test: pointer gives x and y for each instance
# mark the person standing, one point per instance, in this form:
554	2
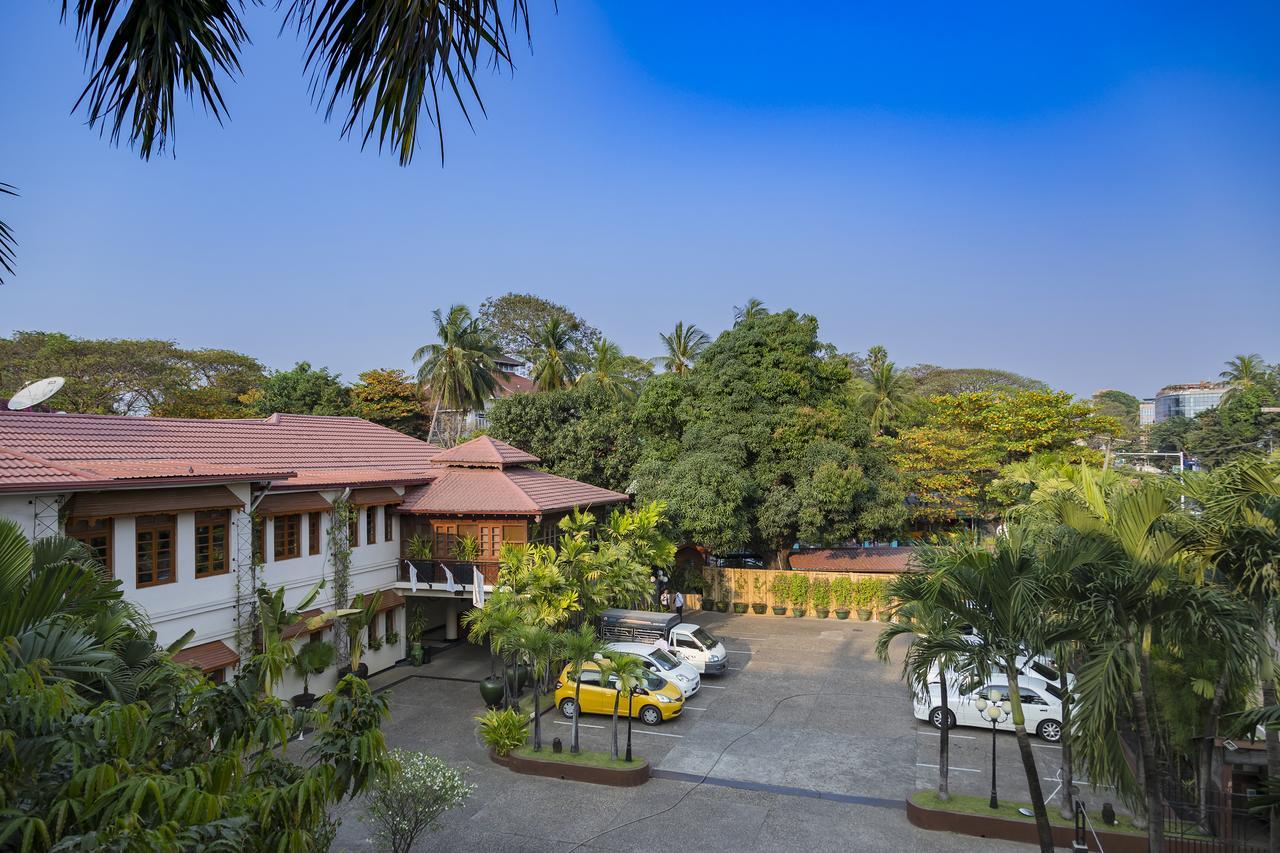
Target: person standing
679	602
665	599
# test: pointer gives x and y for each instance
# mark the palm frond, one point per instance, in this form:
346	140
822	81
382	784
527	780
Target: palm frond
8	244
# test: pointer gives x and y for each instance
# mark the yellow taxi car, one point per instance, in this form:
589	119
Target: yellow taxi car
655	700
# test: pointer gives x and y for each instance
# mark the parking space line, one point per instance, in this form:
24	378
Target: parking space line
935	767
691	708
937	734
711	687
761	639
635	730
580	725
736	652
737	668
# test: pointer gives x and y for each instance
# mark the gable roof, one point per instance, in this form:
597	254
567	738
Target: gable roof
503	491
484	451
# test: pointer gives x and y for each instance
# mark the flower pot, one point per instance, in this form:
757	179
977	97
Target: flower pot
722	606
491	690
841	613
779	611
415	654
821	612
303	700
759	608
864	615
523	676
797	611
708	605
739	607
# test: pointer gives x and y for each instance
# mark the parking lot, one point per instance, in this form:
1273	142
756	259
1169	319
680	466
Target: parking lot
808	742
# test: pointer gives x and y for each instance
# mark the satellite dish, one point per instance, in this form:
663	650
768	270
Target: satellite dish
37	392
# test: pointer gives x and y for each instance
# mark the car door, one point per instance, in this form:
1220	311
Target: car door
960	702
1034	708
689	651
592	694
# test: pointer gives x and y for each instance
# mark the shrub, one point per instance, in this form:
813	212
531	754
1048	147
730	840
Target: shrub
757	587
864	593
842	592
739	586
503	731
821	593
410	799
880	593
781	589
799	590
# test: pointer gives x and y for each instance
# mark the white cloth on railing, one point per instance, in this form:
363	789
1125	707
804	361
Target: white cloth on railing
413	576
448	578
477	588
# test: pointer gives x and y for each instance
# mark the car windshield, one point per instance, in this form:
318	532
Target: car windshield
664	659
653	682
702	635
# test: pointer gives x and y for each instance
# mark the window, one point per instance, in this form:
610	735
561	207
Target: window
388	524
490	540
218	676
389	623
316	636
153	540
445	535
313	532
353	528
259	540
96	536
589	676
371	525
211	543
287	537
373	630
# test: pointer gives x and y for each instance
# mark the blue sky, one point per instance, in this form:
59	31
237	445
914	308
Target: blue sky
1088	195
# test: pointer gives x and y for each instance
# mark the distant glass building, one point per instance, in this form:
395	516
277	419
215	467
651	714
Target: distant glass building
1187	400
1147	412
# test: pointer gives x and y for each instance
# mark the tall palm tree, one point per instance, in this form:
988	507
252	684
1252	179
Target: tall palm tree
753	310
885	395
607	369
626	671
539	647
555	364
578	647
8	244
938	645
684	345
1245	370
877	355
457	372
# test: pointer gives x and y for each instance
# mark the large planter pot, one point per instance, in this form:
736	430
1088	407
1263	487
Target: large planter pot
523	675
708	605
821	612
303	700
841	613
797	612
779	611
722	606
759	608
739	607
491	690
864	615
416	653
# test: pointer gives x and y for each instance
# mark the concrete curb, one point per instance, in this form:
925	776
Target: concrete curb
628	778
1005	829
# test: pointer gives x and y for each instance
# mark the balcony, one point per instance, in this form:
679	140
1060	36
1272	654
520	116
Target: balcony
432	572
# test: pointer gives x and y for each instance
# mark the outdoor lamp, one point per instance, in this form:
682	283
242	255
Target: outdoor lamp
996	709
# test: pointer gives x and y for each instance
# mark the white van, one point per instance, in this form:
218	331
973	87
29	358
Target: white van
692	643
661	661
1041	705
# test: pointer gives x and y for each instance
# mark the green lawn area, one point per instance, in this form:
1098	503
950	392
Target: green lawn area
586	757
1009	809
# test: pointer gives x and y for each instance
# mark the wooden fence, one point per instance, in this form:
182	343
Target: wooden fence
755	586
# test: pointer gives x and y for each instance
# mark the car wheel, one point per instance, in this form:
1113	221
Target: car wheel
1050	730
650	716
569	708
935	717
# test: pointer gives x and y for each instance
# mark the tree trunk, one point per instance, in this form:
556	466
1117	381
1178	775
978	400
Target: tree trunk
577	710
1147	748
1068	810
431	430
782	558
1044	831
613	752
1273	760
1204	769
944	741
537	718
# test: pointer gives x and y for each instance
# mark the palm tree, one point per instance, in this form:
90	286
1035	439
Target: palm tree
539	647
458	371
938	645
684	345
753	310
607	369
1245	370
627	672
499	623
8	244
877	355
555	364
578	647
885	395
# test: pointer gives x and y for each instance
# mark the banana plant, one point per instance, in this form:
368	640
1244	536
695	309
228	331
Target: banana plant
277	653
363	611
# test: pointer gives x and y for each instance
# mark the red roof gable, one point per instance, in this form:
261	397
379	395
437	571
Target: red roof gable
484	451
510	384
503	491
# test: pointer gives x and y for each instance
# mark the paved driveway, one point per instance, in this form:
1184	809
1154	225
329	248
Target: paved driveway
807	743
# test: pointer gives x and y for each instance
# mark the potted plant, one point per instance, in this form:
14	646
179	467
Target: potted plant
417	626
723	591
419	550
466	551
739	593
820	594
711	593
311	659
842	592
757	594
781	590
799	593
880	589
393	638
364	611
864	595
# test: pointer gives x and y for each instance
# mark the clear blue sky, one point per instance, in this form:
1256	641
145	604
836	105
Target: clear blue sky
1089	194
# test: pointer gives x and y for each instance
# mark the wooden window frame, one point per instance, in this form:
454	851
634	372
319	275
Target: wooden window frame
389	622
315	520
388	524
155	525
373	630
371	525
353	529
85	530
280	537
212	519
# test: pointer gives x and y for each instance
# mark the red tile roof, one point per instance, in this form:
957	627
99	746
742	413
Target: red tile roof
503	491
484	451
870	560
510	384
208	657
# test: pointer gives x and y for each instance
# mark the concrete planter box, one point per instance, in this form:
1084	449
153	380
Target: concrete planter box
628	778
1006	829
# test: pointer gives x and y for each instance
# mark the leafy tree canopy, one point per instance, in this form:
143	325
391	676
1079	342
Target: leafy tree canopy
516	320
760	443
932	380
302	391
1121	406
131	377
389	397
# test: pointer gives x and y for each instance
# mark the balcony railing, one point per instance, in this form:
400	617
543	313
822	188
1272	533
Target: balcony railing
432	571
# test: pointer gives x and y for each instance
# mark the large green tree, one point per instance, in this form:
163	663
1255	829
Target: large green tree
761	444
302	391
391	398
554	361
515	320
932	380
1121	406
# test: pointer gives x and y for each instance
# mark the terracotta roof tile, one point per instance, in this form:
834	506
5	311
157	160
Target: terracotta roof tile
499	491
208	657
484	451
510	384
149	501
870	560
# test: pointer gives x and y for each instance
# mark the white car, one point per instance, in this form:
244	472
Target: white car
664	663
1041	705
1038	666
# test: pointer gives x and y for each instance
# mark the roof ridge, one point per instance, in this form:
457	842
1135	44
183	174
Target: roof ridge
532	501
48	463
